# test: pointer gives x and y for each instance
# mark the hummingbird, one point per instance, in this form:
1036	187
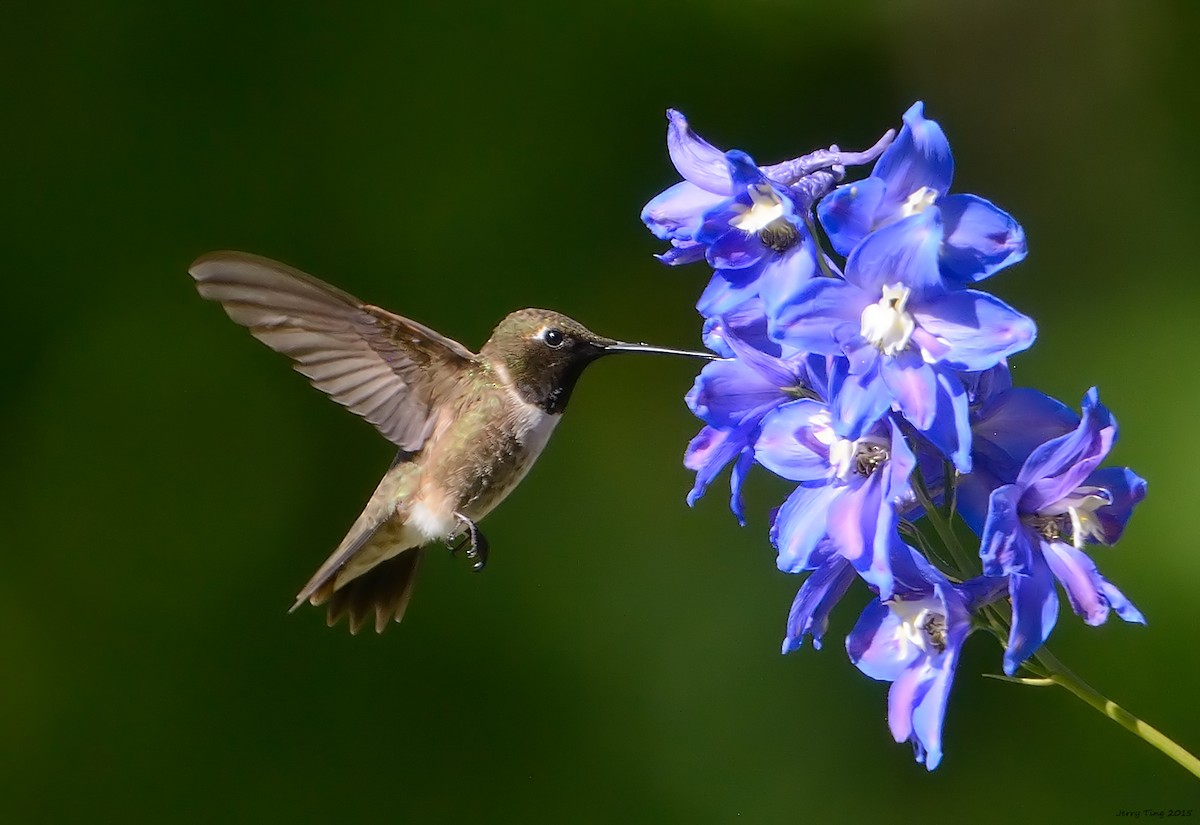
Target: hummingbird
468	426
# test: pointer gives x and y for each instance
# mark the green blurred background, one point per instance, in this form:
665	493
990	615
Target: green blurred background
168	483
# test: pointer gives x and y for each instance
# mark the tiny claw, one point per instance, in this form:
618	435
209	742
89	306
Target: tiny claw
478	551
475	542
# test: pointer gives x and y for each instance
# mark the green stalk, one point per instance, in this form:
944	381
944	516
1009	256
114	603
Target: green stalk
1060	675
1048	670
943	528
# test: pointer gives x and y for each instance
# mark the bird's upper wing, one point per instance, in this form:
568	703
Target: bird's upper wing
388	369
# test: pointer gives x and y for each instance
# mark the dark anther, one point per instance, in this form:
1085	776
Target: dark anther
1051	528
779	235
935	629
868	458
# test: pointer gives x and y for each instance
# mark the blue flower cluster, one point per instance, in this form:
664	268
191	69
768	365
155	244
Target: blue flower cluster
881	387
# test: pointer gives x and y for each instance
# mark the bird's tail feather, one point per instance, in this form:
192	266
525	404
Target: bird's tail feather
383	591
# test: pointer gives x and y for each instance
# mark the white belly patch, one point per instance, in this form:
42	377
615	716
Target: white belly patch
431	521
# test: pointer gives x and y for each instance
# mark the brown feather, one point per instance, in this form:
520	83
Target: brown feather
390	370
384	591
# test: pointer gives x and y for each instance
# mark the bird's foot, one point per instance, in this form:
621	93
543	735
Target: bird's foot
474	541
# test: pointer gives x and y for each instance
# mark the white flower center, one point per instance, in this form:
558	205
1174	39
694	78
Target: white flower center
841	458
887	323
1081	505
918	202
765	207
922	624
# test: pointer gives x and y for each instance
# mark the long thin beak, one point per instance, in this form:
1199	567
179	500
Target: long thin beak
621	346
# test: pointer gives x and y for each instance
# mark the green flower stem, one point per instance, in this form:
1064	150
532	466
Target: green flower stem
943	527
1060	675
1048	670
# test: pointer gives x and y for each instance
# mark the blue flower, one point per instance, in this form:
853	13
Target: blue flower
732	397
904	336
756	240
913	640
848	493
749	222
1038	523
912	178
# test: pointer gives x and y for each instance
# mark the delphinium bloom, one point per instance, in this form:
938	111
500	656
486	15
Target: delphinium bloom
1038	524
749	222
904	335
848	490
884	394
913	640
733	398
913	177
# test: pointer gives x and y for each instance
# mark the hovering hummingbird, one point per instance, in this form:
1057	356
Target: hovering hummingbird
468	425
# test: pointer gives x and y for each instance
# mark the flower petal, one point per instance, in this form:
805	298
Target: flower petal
878	645
862	524
746	321
908	689
744	172
1035	611
1057	467
822	590
905	252
696	159
930	711
980	238
799	526
707	454
682	252
901	463
1117	601
737	477
735	249
984	385
822	307
859	400
1091	595
787	445
848	213
1126	489
678	211
950	430
978	329
1078	575
728	290
982	590
1004	545
783	374
913	384
919	157
1012	424
785	276
726	392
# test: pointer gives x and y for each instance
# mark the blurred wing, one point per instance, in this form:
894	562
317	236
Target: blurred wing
388	369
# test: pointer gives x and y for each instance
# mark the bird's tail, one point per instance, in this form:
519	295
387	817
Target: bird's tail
375	566
383	591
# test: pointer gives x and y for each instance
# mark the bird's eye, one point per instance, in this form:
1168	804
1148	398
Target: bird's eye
553	338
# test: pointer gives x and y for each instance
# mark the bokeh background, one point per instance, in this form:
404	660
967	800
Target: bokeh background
168	483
